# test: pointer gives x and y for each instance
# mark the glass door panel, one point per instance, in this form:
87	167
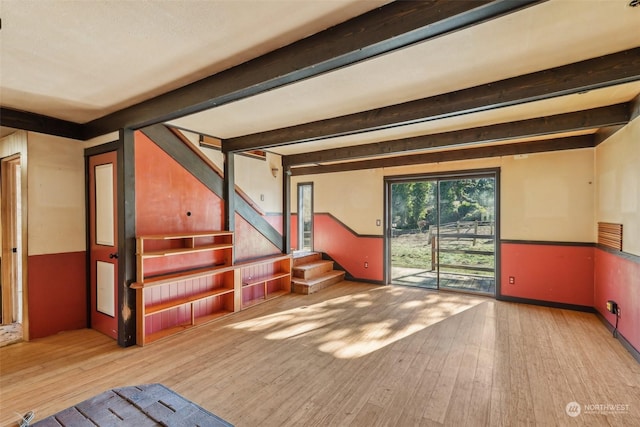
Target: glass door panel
413	221
442	233
305	217
465	242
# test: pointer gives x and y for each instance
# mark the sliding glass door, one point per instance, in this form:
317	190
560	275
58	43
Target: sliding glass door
442	232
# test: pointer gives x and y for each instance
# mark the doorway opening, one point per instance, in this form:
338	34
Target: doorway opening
442	231
103	242
305	217
11	277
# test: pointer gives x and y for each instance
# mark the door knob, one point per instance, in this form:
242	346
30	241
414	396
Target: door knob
113	255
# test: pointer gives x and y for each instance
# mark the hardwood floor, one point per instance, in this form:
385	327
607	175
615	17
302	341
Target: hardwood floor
353	354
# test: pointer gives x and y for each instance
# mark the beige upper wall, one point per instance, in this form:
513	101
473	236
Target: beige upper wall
253	176
355	198
56	195
256	178
547	196
618	183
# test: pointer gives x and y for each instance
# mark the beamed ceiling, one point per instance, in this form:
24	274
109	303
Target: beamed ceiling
329	85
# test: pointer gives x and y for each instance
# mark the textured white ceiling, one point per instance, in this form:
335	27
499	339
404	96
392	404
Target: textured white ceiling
80	60
547	107
548	35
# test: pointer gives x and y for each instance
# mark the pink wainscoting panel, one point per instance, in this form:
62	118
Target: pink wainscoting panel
57	286
294	232
554	273
348	249
618	279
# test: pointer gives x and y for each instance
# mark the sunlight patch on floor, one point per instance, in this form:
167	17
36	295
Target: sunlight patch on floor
367	322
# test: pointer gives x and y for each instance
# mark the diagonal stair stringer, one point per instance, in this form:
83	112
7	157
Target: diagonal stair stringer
190	161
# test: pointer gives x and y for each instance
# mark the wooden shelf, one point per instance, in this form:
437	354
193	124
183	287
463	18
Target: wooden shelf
265	279
183	251
256	301
220	284
198	234
187	277
151	249
259	280
185	300
181	275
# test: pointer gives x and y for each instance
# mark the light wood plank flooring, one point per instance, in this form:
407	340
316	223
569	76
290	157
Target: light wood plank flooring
353	354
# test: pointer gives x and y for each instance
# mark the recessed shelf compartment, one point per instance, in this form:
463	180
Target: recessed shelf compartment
265	279
185	280
182	280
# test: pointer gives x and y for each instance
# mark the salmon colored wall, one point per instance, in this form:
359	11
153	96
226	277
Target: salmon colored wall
57	293
166	192
554	273
618	279
294	232
250	244
348	249
275	220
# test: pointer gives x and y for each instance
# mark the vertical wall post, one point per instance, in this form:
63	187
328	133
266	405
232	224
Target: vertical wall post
286	210
229	193
127	238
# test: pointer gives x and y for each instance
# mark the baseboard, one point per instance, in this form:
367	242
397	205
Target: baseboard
565	306
347	275
369	281
626	344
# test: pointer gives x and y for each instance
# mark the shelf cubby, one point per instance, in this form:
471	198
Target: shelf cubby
265	279
188	279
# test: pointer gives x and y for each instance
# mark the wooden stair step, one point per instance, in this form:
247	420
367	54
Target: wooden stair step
300	258
312	269
309	286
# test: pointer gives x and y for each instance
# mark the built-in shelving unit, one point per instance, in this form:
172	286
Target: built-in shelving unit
188	279
265	279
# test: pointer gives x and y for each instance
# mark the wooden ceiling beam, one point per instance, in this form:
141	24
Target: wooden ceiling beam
587	119
40	123
547	145
393	26
617	68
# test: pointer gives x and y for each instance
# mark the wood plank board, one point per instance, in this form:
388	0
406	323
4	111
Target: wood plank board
182	251
346	353
610	235
181	275
259	280
177	302
172	236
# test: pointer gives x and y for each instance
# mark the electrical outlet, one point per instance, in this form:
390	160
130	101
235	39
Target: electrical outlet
366	264
378	222
512	280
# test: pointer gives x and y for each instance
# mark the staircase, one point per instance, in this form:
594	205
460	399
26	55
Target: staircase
311	273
